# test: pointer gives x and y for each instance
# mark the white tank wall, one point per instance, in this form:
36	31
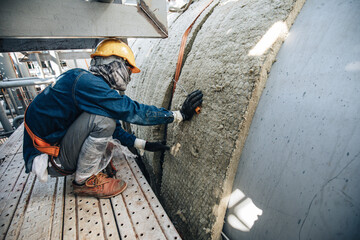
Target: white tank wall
299	169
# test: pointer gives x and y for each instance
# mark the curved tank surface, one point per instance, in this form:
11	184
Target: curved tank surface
298	174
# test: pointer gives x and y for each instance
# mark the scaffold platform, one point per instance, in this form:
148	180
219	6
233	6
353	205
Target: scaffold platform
30	209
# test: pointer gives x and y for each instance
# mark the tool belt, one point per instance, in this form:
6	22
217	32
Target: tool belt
47	148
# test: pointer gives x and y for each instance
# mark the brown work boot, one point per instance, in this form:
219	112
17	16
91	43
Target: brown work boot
100	186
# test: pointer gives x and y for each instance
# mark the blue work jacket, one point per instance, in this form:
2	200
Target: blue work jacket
76	91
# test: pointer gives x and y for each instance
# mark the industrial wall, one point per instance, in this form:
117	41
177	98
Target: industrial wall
229	53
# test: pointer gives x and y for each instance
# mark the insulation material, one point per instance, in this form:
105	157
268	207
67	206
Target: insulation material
228	56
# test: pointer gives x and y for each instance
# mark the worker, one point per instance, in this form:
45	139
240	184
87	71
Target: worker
69	124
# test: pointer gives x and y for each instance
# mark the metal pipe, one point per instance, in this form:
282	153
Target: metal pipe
23	83
4	120
13	101
24	78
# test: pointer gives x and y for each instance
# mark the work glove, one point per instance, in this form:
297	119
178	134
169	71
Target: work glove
156	146
192	101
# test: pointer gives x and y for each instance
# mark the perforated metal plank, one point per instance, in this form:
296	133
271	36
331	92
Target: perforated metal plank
90	224
11	147
57	221
18	218
108	217
140	210
12	187
69	224
39	212
9	178
159	212
123	220
143	219
13	139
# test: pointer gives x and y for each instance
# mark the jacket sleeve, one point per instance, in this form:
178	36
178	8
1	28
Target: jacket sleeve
124	137
93	95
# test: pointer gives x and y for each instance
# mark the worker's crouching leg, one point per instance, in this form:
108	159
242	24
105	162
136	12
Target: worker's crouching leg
83	151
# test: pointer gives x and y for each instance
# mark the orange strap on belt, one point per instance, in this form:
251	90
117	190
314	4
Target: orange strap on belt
40	144
182	47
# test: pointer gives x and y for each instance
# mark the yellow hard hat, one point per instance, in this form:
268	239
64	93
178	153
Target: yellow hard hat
114	47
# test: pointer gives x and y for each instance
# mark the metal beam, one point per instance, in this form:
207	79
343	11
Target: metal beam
80	19
36	44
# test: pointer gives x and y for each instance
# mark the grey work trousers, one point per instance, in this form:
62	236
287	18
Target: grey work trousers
84	126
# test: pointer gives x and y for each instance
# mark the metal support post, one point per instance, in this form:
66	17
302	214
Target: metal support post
21	97
31	91
40	65
7	102
13	101
4	120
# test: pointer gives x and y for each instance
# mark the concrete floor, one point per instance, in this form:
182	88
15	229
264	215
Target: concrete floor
298	174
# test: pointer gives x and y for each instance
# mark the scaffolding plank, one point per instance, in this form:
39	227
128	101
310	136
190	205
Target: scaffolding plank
11	141
12	146
159	212
138	208
39	212
10	196
123	219
110	229
89	218
70	220
57	222
9	178
18	217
